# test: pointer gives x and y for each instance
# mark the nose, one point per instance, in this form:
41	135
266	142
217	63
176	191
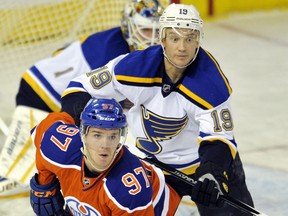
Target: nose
105	143
181	45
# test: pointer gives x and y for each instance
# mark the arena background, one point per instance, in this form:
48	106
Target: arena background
248	38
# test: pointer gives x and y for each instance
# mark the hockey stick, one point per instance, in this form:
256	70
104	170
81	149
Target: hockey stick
188	180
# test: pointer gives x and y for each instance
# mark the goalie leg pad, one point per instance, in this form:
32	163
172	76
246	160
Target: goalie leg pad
10	188
17	158
46	199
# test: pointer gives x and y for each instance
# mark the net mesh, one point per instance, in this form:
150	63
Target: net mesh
33	29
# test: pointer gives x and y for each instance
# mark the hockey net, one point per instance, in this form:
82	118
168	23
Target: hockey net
34	29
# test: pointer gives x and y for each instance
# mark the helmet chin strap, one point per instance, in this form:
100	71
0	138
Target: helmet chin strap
123	132
87	156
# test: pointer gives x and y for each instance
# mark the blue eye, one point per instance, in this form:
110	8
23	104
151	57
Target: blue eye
97	135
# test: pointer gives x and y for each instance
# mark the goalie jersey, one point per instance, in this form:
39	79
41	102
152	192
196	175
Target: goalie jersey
123	189
168	120
42	84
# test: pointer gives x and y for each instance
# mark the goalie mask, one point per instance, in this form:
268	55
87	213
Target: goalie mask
103	114
184	20
140	23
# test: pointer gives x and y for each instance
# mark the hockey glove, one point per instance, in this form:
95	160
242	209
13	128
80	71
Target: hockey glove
46	199
211	181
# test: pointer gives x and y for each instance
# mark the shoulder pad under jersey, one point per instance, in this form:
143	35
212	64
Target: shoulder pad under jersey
205	84
127	180
140	64
101	47
61	144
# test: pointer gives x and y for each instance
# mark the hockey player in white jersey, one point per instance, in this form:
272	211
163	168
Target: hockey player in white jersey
42	84
181	113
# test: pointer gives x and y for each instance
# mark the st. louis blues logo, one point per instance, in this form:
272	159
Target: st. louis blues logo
78	208
158	128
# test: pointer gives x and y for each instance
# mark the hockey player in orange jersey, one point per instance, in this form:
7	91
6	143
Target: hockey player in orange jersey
181	110
42	85
96	173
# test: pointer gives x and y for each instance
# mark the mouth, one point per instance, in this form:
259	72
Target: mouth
181	56
103	155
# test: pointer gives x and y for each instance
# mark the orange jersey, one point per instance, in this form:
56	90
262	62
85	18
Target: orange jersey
128	187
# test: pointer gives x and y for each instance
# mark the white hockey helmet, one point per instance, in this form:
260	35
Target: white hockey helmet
180	16
138	17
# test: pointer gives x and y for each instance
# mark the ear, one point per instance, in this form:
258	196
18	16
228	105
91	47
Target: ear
163	43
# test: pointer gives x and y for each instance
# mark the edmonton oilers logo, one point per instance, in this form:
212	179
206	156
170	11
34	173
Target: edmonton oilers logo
86	181
80	208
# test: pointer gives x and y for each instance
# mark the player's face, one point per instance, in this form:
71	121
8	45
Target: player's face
181	45
101	145
146	37
145	33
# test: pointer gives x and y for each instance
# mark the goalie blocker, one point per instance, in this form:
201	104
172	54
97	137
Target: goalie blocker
17	158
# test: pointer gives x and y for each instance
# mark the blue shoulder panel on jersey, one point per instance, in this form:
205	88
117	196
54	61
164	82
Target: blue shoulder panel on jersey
124	170
73	84
61	144
205	84
47	85
140	67
101	47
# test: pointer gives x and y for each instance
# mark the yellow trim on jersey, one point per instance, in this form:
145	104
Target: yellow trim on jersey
195	97
232	148
221	72
138	79
83	39
188	203
57	52
54	107
66	92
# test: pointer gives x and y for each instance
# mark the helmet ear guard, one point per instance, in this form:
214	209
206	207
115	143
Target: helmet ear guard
137	17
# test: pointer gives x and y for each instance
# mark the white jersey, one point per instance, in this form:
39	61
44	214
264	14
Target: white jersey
49	77
167	121
40	92
56	71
